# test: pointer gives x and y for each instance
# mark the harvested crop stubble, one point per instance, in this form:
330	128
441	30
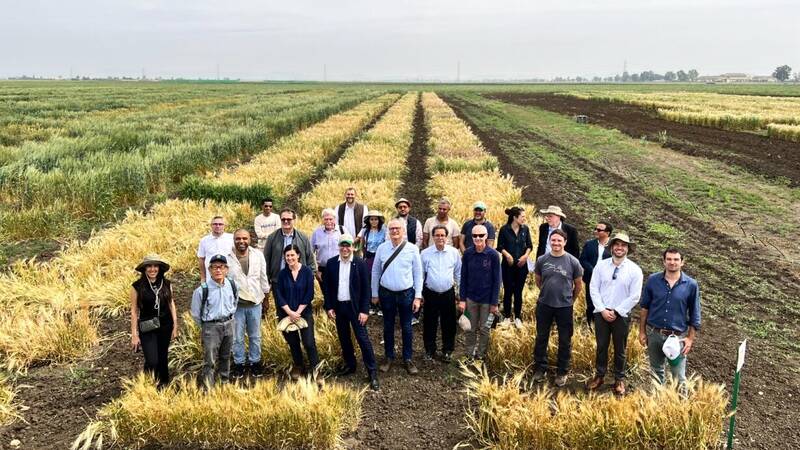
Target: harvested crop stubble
8	407
297	415
298	155
505	417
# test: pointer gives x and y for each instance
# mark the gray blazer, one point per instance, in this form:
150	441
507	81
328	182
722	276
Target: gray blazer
273	253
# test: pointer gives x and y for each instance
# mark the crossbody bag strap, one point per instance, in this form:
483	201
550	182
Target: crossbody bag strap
391	258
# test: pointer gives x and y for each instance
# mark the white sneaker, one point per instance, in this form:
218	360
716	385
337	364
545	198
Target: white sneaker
414	321
507	321
517	323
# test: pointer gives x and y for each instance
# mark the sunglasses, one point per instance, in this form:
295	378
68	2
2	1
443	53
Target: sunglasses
478	236
395	228
267	206
286	219
614	275
600	229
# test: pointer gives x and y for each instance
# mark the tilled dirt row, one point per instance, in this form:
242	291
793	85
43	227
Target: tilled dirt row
770	384
758	154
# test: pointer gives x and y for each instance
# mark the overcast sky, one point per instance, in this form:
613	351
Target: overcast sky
396	40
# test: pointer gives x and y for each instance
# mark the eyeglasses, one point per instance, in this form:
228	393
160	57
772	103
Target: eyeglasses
599	229
478	236
395	228
286	219
614	275
216	267
217	224
267	206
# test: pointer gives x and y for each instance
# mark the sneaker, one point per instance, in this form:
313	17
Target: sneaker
561	380
295	373
380	313
507	320
257	370
386	365
411	368
447	358
237	372
428	356
344	371
595	383
538	376
414	321
372	311
518	323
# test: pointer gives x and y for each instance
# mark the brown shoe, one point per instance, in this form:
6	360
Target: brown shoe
595	383
386	365
295	373
619	387
411	368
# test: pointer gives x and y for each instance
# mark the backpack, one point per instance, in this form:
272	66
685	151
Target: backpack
204	301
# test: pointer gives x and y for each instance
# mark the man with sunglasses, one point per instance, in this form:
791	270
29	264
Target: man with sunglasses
615	288
279	239
265	223
217	242
594	251
479	291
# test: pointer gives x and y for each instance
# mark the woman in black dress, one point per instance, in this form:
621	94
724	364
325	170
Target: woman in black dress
151	298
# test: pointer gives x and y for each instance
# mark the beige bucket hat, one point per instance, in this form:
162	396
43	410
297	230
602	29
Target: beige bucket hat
553	209
153	259
286	325
622	236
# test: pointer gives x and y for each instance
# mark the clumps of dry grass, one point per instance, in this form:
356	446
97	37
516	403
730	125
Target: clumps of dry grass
186	354
8	407
297	415
504	416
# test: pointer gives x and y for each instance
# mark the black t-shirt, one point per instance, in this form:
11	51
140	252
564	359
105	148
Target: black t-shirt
146	296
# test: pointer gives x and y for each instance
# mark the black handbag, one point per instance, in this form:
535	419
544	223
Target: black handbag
148	325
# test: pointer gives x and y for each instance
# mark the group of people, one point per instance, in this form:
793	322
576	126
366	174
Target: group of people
398	268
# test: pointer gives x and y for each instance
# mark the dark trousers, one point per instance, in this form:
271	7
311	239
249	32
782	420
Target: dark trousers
394	303
616	331
545	316
439	306
513	281
155	348
347	318
306	335
589	305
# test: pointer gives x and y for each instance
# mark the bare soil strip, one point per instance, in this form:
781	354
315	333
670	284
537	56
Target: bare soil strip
759	154
770	375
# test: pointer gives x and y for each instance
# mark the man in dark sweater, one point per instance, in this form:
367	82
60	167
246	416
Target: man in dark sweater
479	290
554	220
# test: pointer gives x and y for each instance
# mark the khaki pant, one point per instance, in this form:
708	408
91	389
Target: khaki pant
478	314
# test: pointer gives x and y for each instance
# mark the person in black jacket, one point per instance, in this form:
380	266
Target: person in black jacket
590	256
554	220
347	302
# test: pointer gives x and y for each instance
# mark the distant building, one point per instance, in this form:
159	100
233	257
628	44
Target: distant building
736	78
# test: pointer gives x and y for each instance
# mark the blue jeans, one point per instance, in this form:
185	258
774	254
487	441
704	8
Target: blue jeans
249	318
655	342
393	302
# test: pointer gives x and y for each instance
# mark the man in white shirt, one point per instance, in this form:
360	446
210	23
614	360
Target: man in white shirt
248	269
441	265
218	242
442	217
615	288
266	223
350	214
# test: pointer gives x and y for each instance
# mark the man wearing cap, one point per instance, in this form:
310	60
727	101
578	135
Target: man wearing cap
325	241
479	218
218	242
350	214
214	315
441	266
594	251
442	217
248	269
554	220
616	287
479	291
412	225
670	307
266	223
558	277
345	287
277	241
397	282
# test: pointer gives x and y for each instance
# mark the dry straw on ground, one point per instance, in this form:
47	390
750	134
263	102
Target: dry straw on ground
297	415
504	416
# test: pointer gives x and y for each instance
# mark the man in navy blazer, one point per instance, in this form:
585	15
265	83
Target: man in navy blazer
590	256
346	290
554	220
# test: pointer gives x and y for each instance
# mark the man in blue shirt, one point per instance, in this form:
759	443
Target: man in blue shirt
670	306
215	317
397	282
479	291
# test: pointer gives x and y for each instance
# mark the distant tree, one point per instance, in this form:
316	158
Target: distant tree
580	79
682	76
782	73
670	76
693	74
596	79
626	77
797	77
635	78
